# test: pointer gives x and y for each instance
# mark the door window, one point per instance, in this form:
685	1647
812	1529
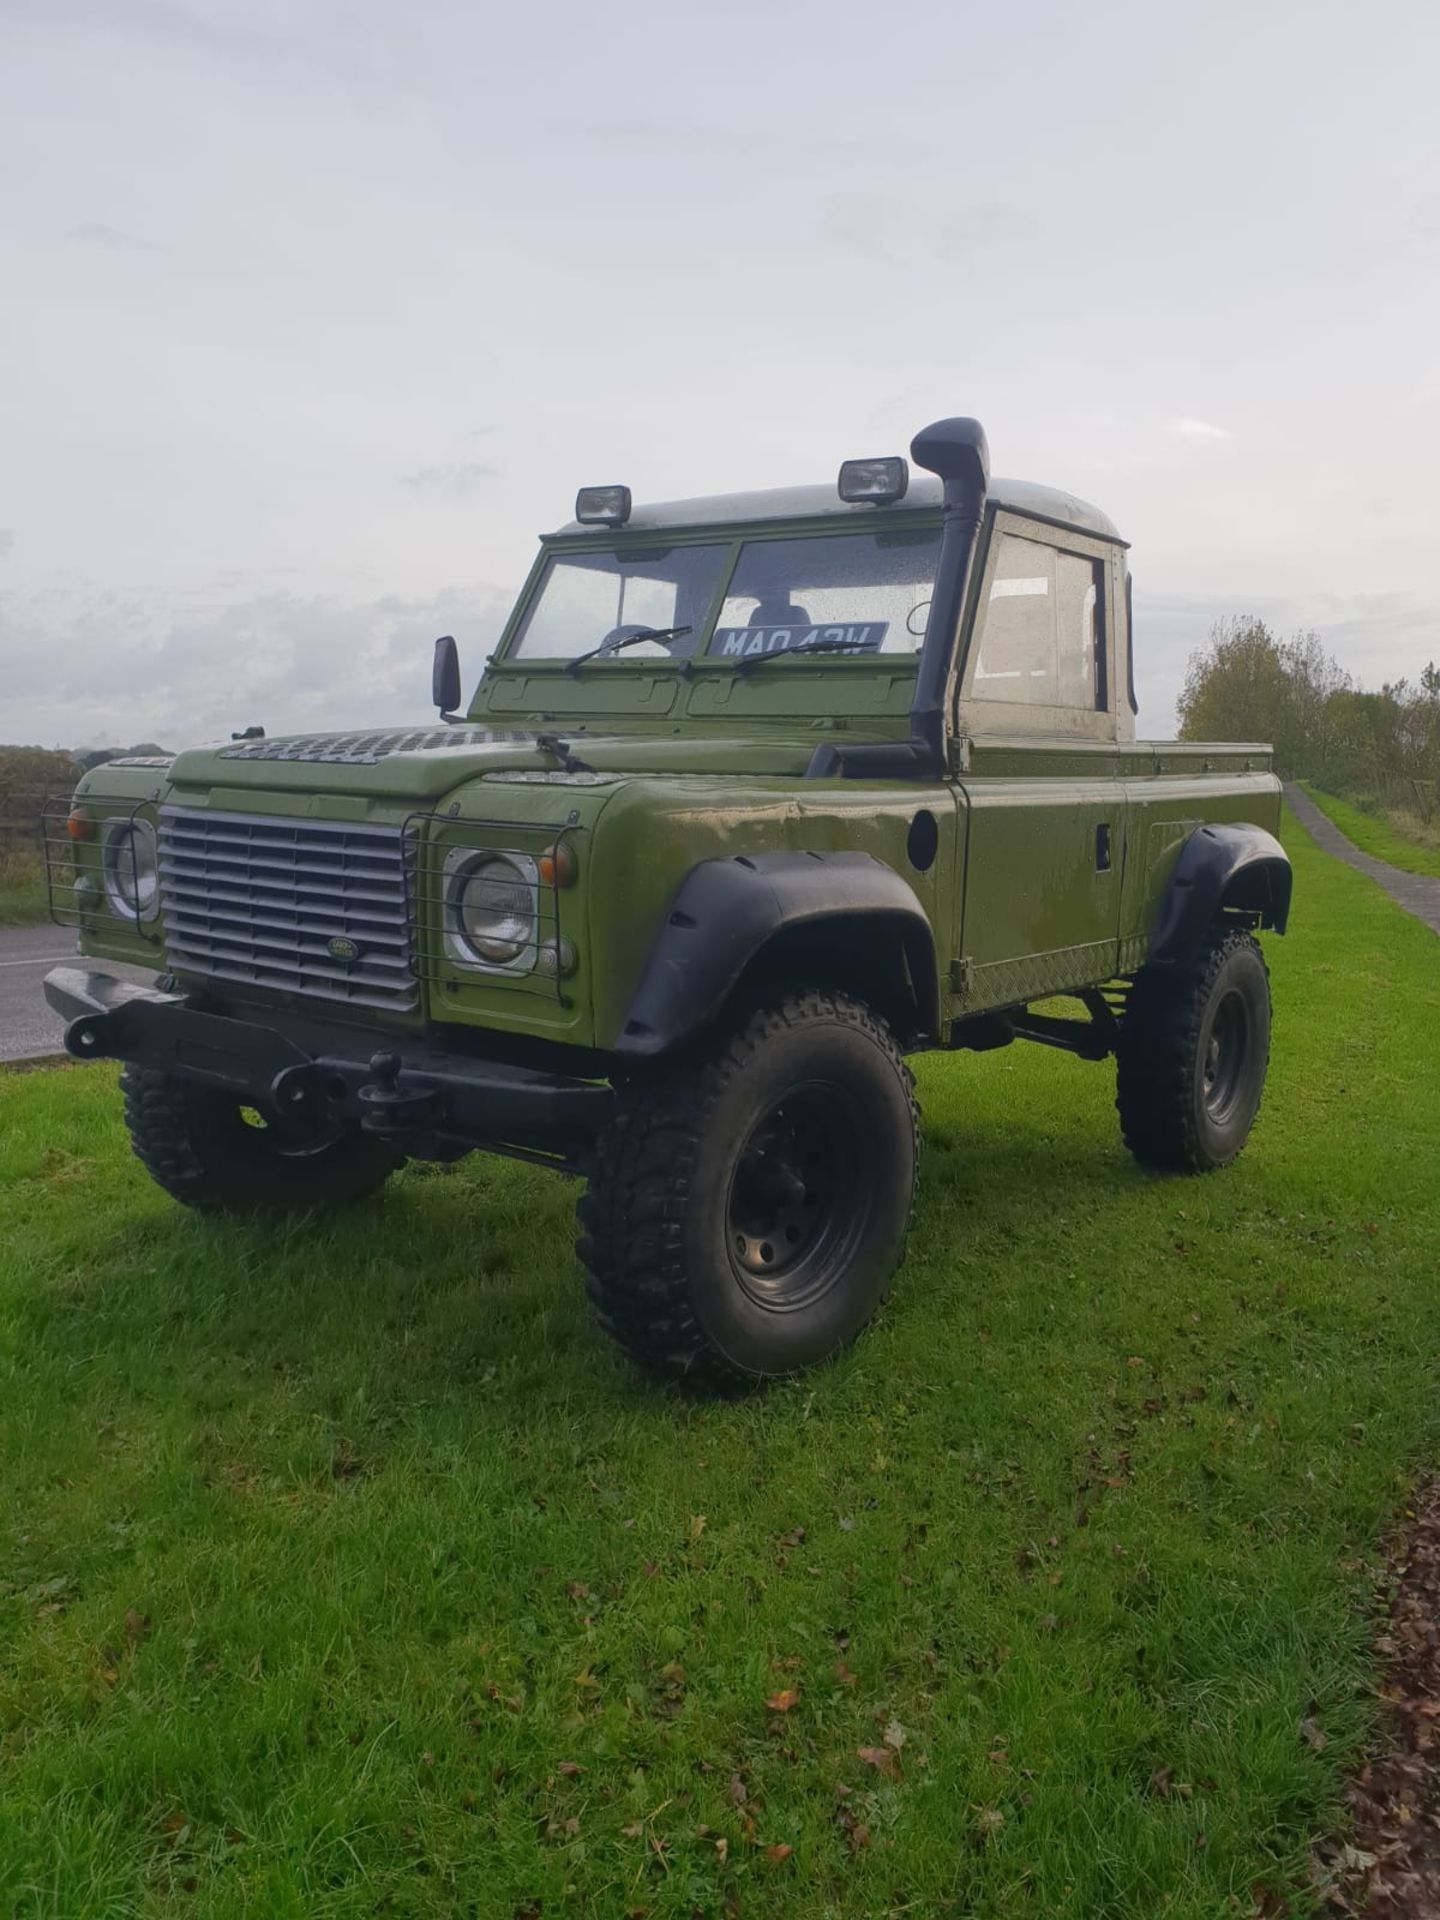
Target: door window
1042	643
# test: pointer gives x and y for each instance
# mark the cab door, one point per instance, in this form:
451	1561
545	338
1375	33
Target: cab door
1045	804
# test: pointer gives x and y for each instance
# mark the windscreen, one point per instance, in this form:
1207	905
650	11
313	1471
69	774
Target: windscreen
853	592
595	600
829	593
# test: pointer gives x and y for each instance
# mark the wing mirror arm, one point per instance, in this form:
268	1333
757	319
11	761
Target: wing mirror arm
445	676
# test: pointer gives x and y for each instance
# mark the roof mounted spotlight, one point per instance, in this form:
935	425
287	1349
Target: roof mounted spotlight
875	483
602	506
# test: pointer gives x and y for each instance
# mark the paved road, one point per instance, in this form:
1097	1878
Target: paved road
27	1026
1418	893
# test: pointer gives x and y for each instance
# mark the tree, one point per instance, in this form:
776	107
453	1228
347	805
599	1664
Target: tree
1241	686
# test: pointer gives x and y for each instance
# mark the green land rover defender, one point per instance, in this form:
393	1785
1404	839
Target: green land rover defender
757	795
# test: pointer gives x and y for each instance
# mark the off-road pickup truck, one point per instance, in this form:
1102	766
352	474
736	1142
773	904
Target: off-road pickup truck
757	795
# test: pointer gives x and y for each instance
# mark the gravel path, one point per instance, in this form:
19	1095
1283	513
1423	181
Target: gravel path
1418	893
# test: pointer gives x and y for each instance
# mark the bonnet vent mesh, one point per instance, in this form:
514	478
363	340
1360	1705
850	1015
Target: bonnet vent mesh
365	749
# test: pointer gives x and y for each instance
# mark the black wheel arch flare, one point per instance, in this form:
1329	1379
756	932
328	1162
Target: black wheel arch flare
728	912
1227	865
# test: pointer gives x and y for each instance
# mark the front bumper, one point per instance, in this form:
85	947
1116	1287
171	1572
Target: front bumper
428	1103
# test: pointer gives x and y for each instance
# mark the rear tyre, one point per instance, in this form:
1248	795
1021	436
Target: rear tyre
744	1214
1194	1047
211	1153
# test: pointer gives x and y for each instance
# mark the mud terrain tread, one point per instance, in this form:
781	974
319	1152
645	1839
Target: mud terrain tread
640	1176
1155	1059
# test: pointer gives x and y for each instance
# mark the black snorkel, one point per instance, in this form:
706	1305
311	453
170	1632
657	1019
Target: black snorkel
957	451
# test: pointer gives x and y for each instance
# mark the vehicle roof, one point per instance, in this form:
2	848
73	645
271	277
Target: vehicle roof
819	501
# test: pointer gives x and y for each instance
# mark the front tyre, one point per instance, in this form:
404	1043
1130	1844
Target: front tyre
1194	1047
744	1214
211	1153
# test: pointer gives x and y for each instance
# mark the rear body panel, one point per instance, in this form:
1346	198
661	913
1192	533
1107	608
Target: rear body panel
1069	849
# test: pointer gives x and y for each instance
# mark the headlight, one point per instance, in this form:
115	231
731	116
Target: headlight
494	911
132	873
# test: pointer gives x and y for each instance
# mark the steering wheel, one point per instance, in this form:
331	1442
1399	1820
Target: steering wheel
627	632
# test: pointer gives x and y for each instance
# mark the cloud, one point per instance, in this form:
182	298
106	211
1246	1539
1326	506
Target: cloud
7	542
980	227
1189	429
862	222
96	233
881	225
90	667
365	44
456	481
755	139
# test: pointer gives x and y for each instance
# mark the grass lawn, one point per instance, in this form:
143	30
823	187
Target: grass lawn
22	890
344	1571
1378	835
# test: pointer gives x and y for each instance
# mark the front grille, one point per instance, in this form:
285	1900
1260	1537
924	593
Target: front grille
293	906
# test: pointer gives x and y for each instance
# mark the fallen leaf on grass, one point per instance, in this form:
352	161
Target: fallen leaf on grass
780	1850
1313	1734
569	1768
843	1674
783	1701
697	1525
883	1759
739	1792
894	1735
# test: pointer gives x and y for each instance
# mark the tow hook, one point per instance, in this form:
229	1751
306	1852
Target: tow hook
389	1108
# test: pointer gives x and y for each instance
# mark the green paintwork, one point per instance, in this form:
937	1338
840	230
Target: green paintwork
703	764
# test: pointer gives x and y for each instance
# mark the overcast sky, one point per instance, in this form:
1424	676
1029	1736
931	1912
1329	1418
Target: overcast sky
312	315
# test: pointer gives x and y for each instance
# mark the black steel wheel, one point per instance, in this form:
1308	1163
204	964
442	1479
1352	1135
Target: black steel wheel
800	1198
212	1153
744	1217
1194	1049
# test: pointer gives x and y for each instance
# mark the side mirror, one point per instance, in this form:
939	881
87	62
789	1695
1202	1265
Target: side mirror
445	674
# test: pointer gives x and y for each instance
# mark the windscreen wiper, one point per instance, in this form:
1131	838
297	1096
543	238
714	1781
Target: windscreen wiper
630	640
752	660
